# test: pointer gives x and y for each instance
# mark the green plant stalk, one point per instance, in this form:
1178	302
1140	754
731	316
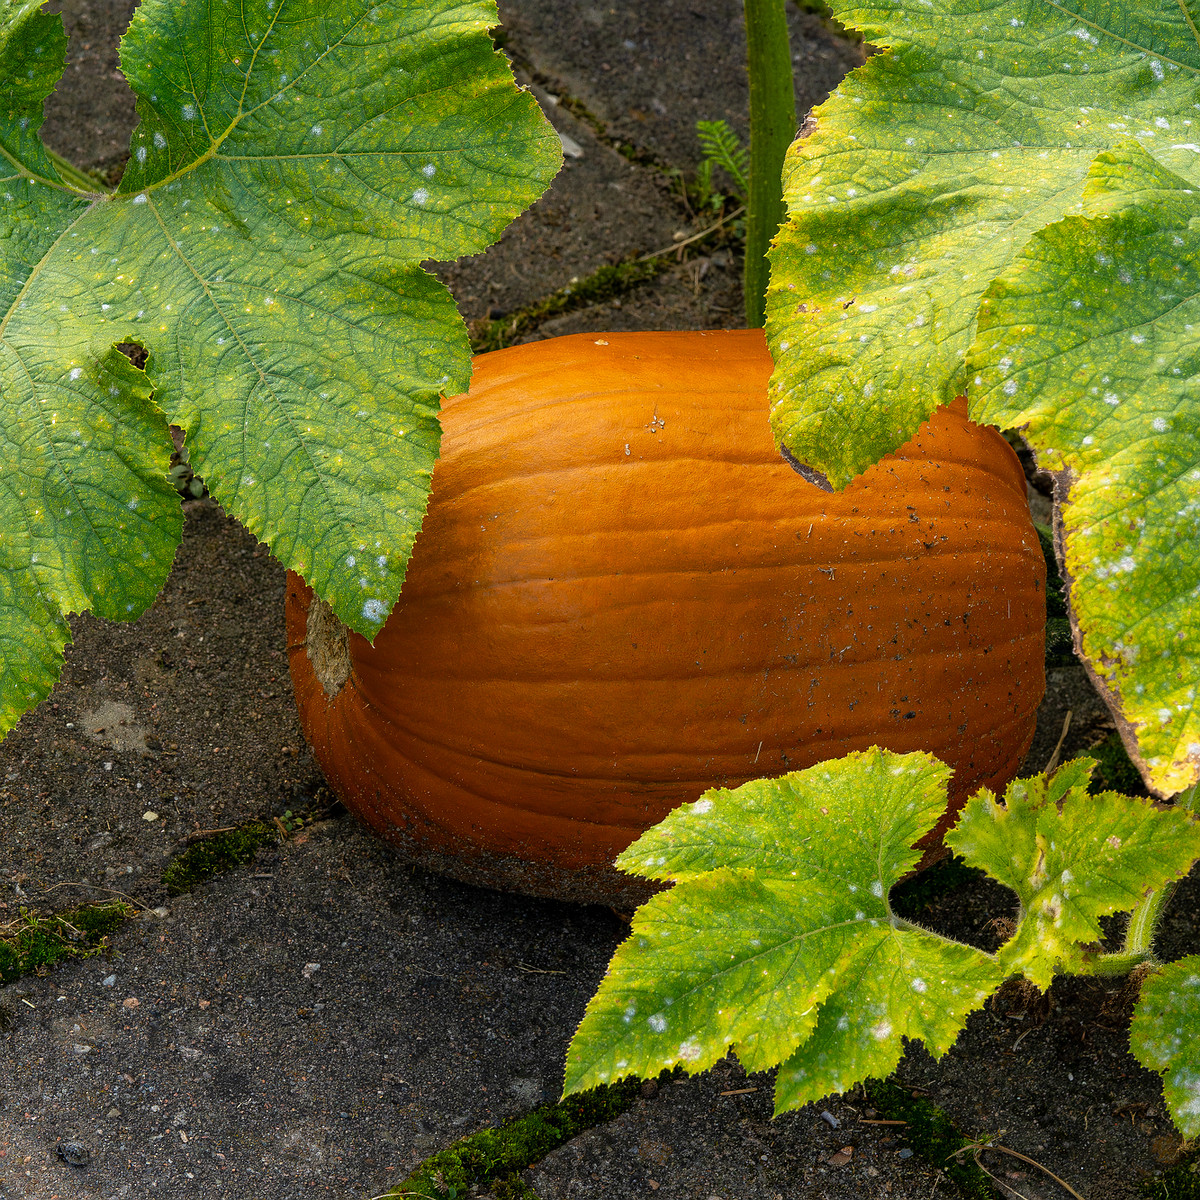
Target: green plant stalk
1143	921
772	129
1138	946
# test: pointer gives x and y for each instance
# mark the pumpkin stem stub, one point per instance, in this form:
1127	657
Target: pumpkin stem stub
328	645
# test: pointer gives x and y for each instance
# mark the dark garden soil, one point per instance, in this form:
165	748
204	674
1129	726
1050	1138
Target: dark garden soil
319	1019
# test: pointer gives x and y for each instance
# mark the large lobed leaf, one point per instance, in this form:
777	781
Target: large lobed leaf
296	161
1088	343
777	941
988	123
1071	858
927	171
1165	1037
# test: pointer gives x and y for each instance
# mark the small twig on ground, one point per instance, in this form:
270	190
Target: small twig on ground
95	887
1062	737
981	1144
737	212
203	833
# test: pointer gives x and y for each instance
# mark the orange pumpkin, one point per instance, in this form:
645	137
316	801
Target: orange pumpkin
622	595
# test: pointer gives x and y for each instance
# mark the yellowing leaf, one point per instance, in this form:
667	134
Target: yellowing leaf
778	941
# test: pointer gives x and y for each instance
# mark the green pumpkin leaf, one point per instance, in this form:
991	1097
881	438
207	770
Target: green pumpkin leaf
1071	858
778	942
767	826
923	176
33	49
295	163
1088	343
1165	1037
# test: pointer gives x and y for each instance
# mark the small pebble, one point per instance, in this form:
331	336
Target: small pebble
829	1118
132	1002
905	1153
108	981
309	968
149	816
571	148
72	1152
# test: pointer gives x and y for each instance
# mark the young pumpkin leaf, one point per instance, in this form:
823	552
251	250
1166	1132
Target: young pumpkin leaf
777	941
1088	344
1071	858
924	175
1165	1037
296	161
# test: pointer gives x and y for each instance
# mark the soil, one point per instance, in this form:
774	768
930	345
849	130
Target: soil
317	1021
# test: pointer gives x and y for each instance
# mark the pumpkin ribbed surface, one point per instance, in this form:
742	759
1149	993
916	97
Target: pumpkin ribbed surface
622	595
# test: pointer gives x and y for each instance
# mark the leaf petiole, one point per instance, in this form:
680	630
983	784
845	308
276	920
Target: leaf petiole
1143	921
73	176
1113	964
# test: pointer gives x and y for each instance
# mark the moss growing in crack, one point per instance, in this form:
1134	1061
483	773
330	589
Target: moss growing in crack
34	943
1181	1182
607	283
213	855
494	1158
1115	771
1060	648
931	1134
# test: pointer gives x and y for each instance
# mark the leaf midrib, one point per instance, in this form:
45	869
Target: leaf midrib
242	113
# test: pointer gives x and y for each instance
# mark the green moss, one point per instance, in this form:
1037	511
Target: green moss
606	283
1114	771
914	895
931	1134
1181	1182
36	943
1060	649
213	855
494	1158
97	921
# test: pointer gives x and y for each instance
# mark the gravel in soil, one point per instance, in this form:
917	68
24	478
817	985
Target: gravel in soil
318	1020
